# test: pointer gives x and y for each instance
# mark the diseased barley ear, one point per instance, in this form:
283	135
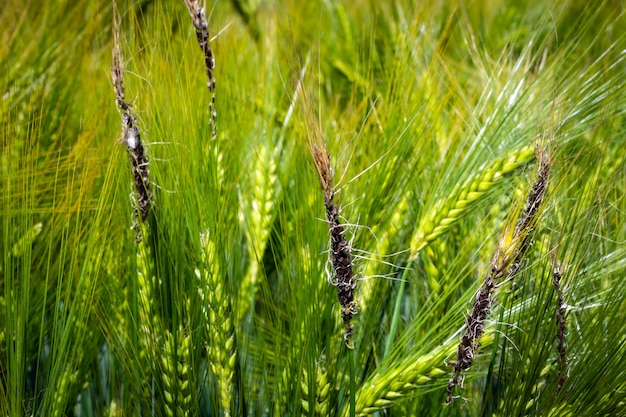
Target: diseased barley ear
131	137
340	252
505	264
557	273
198	17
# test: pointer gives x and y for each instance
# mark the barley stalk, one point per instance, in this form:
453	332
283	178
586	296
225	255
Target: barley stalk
505	263
3	335
462	199
216	309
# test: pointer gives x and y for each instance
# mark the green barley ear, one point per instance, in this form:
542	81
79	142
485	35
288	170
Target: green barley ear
216	309
506	261
321	396
462	199
26	240
390	385
149	336
257	213
175	363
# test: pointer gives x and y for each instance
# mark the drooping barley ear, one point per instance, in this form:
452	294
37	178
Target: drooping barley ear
395	383
217	312
557	273
340	256
198	17
130	134
462	199
505	264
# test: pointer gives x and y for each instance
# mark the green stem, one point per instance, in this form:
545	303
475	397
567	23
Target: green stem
351	354
396	310
487	390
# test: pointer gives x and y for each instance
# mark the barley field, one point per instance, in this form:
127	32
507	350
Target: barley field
325	208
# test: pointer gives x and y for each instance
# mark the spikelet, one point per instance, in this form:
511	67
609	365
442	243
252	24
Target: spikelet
175	363
114	411
145	297
147	323
322	387
64	386
26	241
